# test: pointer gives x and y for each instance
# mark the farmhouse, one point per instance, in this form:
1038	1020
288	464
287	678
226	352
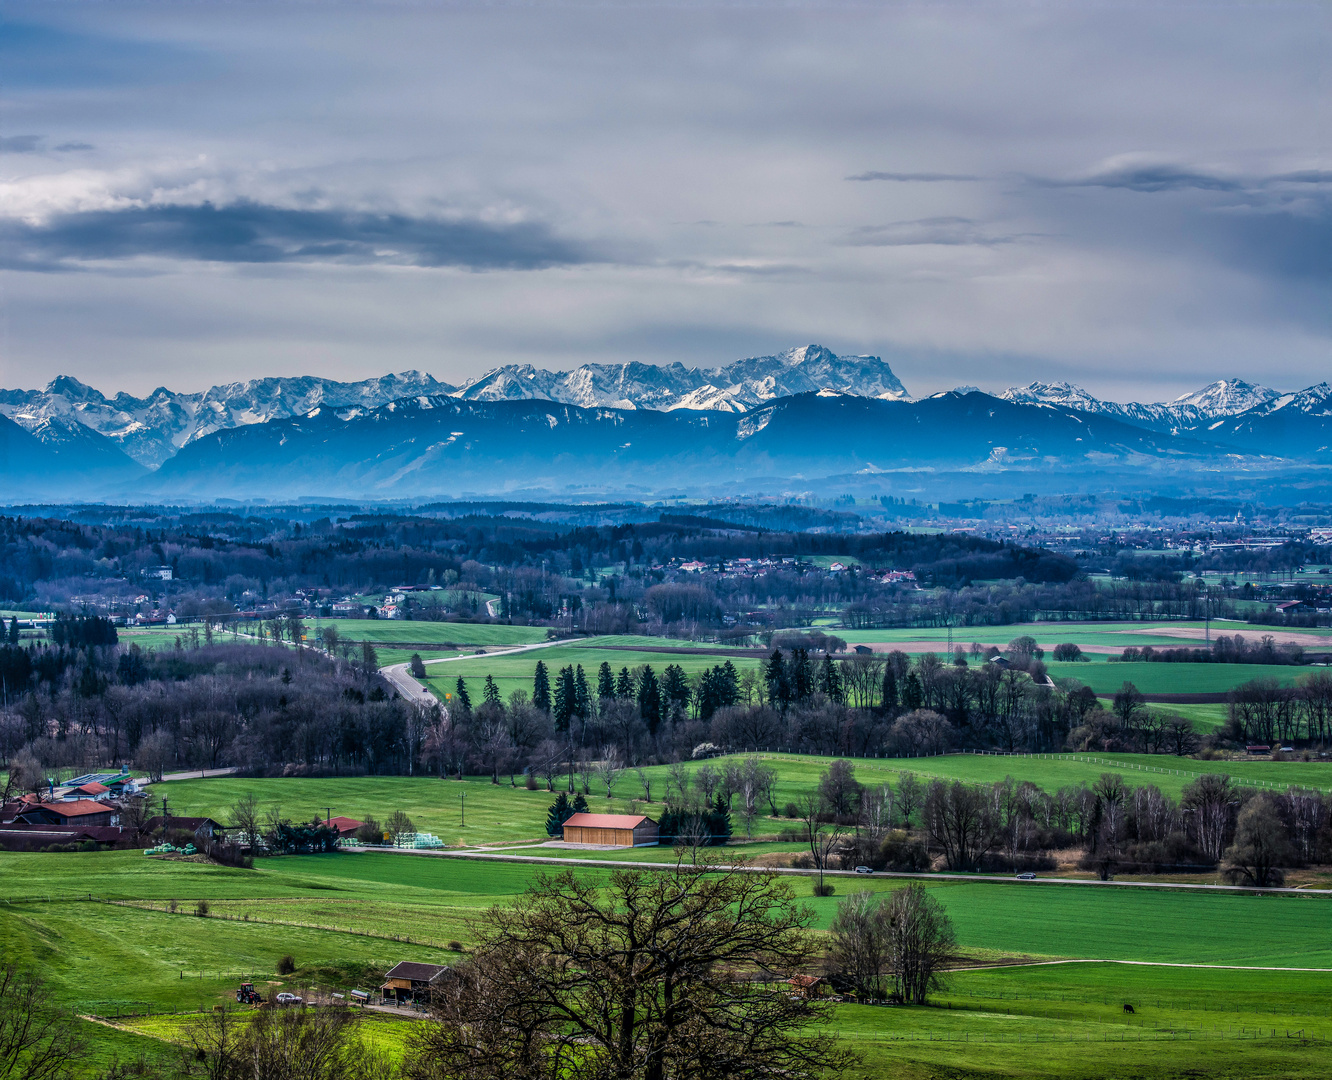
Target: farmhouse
80	812
91	790
16	836
199	826
615	830
410	981
346	826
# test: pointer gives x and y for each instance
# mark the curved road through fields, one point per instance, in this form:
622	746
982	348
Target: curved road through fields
403	681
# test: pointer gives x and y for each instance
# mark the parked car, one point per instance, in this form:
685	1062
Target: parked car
1026	875
287	999
863	870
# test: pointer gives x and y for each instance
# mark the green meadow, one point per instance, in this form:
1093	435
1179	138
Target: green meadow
1157	678
515	671
1159	634
387	631
345	918
475	811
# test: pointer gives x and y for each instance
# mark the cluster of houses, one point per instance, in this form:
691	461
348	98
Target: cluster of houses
760	567
85	808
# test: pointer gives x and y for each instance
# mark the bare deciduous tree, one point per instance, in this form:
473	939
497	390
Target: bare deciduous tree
706	779
634	980
245	819
609	769
822	833
920	942
37	1040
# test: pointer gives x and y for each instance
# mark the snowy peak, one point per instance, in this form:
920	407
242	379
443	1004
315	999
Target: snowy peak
151	429
1227	397
1056	393
1215	401
737	387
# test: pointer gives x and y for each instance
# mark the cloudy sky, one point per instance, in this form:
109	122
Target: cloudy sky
1133	198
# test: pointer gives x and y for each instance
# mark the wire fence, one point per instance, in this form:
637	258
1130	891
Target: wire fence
214	913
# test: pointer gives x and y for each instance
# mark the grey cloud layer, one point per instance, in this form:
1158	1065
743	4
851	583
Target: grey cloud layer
248	232
977	194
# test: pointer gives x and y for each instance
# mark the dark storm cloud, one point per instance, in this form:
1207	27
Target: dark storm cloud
913	177
950	231
1149	178
249	232
19	144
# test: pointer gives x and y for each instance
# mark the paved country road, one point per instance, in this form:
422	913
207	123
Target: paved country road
402	680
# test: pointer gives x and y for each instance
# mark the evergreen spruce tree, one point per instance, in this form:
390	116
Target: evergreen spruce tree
605	682
889	693
830	680
464	699
719	821
560	812
624	684
728	685
491	692
541	688
675	686
800	674
649	699
779	687
582	696
14	631
566	698
912	694
580	803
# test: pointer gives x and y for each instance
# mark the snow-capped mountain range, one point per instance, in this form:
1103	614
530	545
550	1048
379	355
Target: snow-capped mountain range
78	422
1226	397
737	387
152	429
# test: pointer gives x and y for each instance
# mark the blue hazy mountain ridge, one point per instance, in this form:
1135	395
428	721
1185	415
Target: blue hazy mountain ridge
64	459
440	445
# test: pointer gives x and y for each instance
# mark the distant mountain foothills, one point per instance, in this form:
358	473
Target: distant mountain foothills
435	446
800	415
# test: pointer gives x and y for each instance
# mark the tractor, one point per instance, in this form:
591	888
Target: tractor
248	995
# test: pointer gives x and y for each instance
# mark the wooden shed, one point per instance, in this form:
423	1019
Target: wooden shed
409	981
618	830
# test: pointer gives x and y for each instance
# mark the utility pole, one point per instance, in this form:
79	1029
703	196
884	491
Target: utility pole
462	798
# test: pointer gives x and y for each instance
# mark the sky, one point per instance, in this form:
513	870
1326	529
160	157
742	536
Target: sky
1134	198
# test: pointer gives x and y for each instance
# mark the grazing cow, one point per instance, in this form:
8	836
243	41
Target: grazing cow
1128	1008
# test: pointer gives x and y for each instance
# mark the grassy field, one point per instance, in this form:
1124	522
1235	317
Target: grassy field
388	631
1116	634
515	672
1057	1022
1043	1020
1157	678
504	814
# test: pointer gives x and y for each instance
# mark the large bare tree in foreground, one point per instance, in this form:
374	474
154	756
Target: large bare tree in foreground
661	975
37	1040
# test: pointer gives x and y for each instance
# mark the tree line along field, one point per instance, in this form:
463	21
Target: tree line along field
1169	633
1046	1020
515	671
500	814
